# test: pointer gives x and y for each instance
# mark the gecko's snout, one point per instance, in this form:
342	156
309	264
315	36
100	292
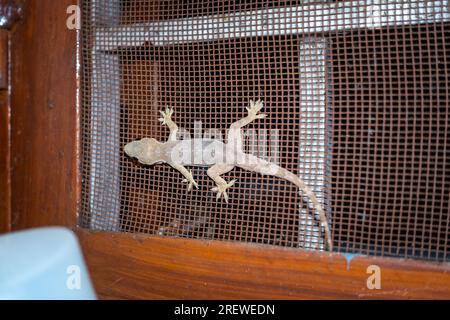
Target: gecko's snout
133	149
146	150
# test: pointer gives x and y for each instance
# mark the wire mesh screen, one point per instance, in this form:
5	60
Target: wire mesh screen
357	97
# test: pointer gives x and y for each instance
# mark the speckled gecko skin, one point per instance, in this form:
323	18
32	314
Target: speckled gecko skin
218	156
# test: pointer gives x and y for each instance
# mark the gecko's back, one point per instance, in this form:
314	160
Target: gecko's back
197	152
220	157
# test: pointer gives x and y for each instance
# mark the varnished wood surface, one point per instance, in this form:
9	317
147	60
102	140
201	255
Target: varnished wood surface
4	48
11	12
139	267
44	185
5	164
44	117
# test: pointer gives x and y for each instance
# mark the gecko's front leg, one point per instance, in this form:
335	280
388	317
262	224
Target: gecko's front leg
167	120
188	177
215	173
234	134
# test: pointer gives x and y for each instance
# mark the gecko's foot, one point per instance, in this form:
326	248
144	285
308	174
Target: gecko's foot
191	182
166	116
255	108
221	189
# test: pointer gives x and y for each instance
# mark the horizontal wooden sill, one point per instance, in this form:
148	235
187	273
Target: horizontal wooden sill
142	267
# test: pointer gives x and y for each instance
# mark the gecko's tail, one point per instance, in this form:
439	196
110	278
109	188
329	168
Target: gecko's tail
287	175
255	164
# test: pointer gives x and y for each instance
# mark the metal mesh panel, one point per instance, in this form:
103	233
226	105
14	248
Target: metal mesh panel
357	94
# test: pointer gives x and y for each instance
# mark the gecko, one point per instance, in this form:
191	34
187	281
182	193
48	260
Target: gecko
219	157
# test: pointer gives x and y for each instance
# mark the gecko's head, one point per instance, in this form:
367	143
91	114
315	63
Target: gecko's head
147	151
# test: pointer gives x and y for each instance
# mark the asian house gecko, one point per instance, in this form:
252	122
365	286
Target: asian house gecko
220	157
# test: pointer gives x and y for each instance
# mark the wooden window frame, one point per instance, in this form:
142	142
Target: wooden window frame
45	184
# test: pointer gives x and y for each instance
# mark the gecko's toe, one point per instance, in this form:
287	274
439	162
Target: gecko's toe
191	184
255	108
232	182
219	192
166	115
222	190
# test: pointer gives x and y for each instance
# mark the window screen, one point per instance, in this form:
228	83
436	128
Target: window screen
357	97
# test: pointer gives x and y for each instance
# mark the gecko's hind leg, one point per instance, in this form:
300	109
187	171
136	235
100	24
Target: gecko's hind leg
215	173
235	134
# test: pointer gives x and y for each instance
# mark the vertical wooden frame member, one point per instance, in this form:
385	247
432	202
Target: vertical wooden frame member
4	54
10	12
5	136
44	171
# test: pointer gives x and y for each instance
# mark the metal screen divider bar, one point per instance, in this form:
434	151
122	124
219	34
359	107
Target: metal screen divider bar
343	15
105	129
312	137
